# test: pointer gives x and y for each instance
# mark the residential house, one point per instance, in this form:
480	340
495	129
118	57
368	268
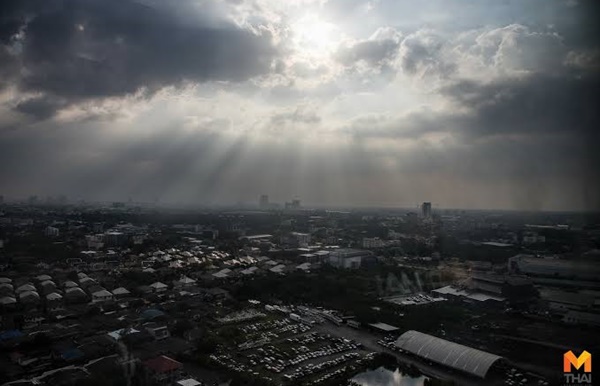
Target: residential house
158	287
101	296
163	370
158	331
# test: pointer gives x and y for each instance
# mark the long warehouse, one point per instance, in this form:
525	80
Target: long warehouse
454	355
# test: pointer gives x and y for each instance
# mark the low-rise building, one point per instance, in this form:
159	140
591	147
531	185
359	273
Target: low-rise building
582	318
158	331
162	370
372	243
158	287
348	258
102	296
184	282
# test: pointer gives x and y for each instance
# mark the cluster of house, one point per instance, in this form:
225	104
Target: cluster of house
67	320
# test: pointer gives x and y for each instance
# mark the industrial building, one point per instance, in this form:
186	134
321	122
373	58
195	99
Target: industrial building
383	328
453	355
348	258
562	301
513	288
554	268
454	293
582	318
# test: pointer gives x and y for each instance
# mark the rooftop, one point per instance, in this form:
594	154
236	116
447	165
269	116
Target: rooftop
163	364
384	327
459	357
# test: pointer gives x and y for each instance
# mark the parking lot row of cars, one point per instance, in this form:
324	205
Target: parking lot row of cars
263	326
340	372
309	338
310	369
304	354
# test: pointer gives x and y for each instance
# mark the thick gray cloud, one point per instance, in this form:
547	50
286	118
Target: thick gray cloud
378	50
532	105
40	107
98	48
421	53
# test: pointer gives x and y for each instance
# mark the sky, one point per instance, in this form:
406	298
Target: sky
465	103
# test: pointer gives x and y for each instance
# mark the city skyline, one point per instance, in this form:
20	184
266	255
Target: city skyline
378	103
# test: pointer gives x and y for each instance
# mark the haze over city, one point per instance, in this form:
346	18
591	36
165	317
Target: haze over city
346	103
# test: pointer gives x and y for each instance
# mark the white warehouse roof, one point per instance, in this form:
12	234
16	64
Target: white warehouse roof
457	356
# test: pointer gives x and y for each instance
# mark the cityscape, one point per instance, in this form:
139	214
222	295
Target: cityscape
299	192
126	293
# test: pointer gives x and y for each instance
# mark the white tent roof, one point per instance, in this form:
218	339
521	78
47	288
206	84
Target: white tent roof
303	266
6	285
457	356
74	290
186	280
249	271
188	382
25	288
27	294
102	293
54	296
7	300
121	291
278	269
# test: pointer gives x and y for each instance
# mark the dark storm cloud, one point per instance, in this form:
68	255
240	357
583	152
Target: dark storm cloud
9	67
534	105
40	107
97	48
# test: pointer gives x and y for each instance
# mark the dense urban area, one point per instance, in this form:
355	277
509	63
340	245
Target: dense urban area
138	294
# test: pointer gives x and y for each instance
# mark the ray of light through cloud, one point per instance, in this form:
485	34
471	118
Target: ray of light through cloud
336	102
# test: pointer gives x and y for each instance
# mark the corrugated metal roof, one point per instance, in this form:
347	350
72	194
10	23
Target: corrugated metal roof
384	327
457	356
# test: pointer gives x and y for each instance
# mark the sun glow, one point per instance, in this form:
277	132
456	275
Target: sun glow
314	36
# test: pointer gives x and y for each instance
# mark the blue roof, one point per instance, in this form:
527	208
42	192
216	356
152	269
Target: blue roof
152	313
10	334
72	354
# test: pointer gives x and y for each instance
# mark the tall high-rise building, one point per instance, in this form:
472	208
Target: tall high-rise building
426	209
263	202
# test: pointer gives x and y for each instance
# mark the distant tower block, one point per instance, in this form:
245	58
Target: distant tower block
426	209
263	202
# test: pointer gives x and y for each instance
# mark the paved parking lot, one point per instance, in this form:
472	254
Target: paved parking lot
286	350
